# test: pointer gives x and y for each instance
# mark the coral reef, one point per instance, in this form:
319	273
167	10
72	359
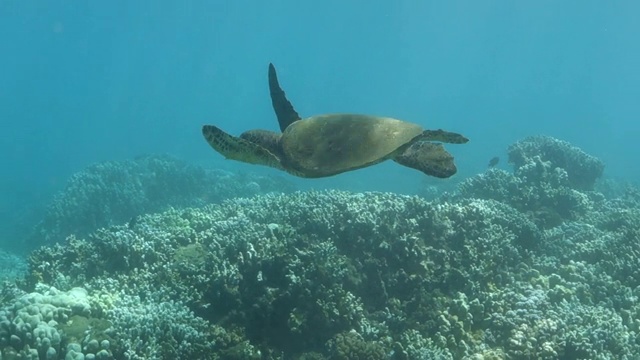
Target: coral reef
315	272
51	324
118	191
512	266
582	169
153	328
29	326
537	189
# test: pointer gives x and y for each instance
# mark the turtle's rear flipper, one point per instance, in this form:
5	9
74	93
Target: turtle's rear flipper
285	112
235	148
432	159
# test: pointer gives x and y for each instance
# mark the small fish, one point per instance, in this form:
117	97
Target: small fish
494	161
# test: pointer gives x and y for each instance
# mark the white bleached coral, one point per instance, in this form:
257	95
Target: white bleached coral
28	326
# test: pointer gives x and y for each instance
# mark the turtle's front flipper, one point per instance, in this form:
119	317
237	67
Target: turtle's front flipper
285	112
443	136
430	158
235	148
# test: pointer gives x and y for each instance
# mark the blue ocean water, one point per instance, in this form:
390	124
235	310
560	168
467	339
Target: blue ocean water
87	82
101	81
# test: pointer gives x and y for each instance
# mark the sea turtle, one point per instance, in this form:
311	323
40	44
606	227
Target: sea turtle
326	145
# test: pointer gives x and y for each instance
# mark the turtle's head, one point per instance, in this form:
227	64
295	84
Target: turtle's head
251	147
269	140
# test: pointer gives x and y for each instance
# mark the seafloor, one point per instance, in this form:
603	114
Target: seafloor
156	259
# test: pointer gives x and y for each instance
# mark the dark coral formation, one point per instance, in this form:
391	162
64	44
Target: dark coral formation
582	169
351	346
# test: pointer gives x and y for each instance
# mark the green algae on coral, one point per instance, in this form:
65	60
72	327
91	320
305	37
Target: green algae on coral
78	328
